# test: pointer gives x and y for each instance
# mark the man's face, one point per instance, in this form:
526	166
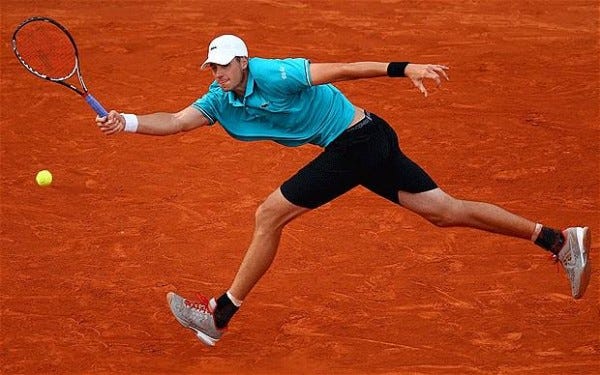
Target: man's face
230	76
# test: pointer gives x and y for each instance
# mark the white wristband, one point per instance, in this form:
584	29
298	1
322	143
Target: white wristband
131	122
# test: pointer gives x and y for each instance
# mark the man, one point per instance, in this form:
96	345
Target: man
292	102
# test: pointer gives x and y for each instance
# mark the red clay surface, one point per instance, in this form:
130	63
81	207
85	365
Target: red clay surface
359	286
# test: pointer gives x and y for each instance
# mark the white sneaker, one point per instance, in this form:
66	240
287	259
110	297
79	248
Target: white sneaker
574	257
197	316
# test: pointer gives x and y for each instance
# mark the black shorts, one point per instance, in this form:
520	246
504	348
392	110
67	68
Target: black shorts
366	154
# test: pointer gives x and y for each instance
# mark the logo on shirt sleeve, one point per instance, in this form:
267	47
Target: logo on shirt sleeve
282	72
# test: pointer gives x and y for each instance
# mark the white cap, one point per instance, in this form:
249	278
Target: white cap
225	48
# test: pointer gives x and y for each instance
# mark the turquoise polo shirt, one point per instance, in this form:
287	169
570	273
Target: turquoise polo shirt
280	104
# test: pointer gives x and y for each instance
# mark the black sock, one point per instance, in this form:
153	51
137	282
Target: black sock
224	311
550	239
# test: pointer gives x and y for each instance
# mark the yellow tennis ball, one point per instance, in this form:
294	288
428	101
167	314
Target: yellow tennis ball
43	178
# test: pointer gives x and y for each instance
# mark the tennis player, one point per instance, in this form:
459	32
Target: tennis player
293	102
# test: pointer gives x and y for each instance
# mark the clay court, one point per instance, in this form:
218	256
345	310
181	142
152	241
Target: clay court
359	286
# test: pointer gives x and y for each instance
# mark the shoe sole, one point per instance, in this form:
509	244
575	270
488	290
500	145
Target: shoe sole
585	242
203	337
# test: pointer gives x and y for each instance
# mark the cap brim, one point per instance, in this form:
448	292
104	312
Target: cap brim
220	60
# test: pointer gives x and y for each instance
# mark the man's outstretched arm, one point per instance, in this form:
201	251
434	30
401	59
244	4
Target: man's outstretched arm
321	73
160	123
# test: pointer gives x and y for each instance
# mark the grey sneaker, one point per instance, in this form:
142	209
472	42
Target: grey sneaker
574	257
196	315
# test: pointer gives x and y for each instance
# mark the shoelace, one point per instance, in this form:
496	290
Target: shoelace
201	304
554	259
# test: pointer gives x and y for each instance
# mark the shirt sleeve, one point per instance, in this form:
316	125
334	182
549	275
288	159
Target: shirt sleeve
208	104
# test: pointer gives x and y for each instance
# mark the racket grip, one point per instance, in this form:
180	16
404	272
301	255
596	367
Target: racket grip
95	105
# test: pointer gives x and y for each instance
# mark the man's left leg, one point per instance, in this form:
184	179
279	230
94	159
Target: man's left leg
443	210
570	247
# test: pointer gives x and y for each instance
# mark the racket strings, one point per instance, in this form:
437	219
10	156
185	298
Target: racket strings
46	50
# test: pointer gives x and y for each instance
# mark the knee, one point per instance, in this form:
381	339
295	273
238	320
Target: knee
268	217
440	220
264	216
275	212
444	215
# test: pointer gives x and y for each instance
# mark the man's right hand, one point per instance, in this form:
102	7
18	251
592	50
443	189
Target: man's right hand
112	123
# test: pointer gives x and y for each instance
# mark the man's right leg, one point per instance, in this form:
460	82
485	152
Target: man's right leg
271	217
208	317
329	175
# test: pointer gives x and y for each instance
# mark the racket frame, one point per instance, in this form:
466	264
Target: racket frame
60	80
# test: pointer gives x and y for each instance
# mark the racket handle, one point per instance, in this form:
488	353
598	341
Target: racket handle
95	105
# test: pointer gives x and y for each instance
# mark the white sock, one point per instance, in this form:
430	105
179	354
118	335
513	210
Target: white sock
234	300
536	232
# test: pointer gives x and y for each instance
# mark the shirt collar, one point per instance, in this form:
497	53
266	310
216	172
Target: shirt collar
234	100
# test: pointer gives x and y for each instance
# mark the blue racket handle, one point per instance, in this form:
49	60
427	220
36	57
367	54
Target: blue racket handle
95	105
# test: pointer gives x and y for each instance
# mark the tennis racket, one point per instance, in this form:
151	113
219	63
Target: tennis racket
46	49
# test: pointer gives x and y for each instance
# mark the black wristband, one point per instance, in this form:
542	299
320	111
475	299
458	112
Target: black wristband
396	69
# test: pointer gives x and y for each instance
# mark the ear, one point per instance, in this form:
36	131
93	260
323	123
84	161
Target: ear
243	62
